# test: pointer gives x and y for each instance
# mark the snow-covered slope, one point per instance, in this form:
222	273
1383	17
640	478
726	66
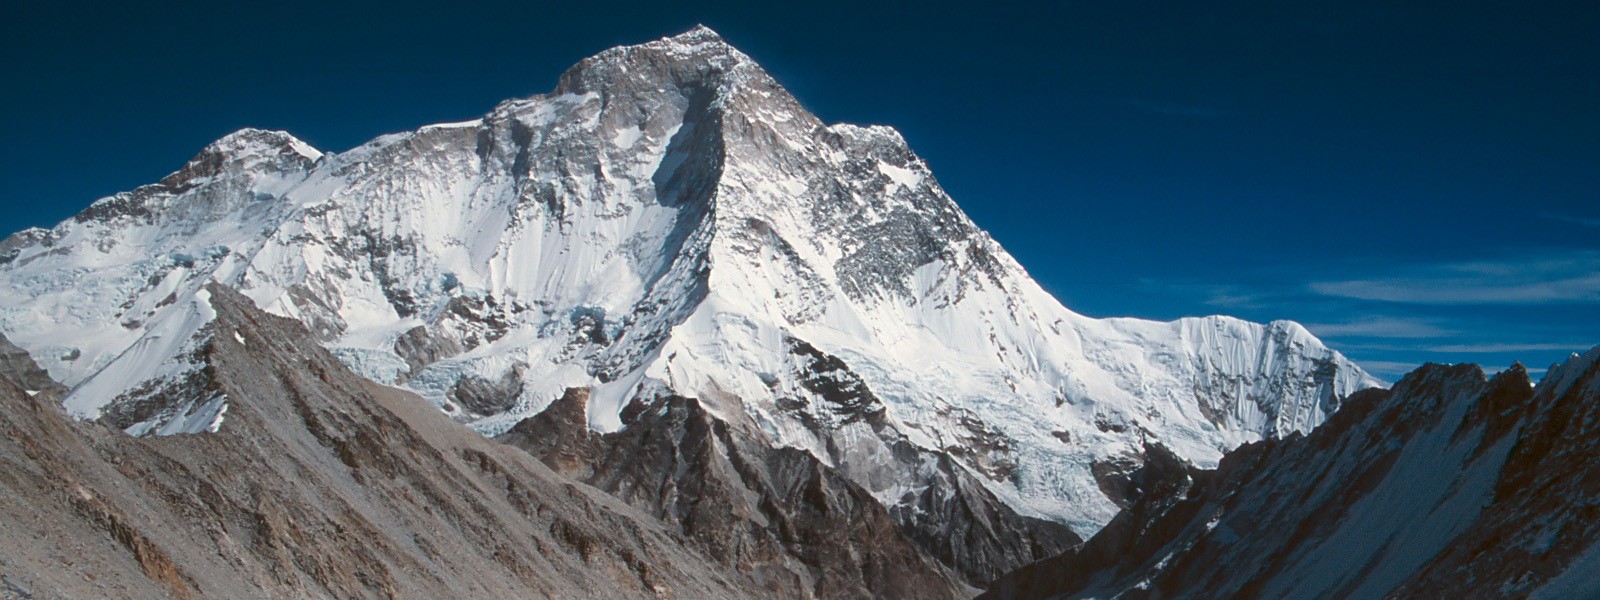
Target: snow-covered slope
1455	485
667	219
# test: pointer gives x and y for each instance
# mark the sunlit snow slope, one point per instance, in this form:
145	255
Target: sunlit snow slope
668	218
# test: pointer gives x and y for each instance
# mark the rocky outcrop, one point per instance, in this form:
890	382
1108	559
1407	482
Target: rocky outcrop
17	366
316	483
953	519
483	396
1454	485
797	526
1541	534
962	524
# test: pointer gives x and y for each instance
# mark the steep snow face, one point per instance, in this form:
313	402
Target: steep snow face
668	218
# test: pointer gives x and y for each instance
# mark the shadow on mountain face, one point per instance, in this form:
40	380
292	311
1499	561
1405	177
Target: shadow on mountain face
1453	485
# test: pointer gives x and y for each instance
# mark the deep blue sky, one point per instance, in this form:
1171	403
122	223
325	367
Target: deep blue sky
1415	181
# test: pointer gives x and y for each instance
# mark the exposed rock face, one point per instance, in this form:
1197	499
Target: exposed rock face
316	484
957	520
794	524
1452	486
482	396
17	366
1541	534
802	526
668	217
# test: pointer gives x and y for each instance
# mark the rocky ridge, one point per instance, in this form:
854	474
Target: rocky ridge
1452	485
750	502
315	484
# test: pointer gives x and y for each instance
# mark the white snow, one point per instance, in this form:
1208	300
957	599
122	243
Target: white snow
198	417
626	136
158	355
456	125
305	150
901	175
627	264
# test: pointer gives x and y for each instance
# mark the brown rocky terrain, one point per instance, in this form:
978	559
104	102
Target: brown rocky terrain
318	484
797	526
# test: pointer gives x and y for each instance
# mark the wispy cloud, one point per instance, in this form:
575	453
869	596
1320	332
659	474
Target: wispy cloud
1496	348
1573	277
1458	291
1234	296
1388	369
1233	300
1531	371
1570	219
1534	306
1380	327
1223	296
1394	369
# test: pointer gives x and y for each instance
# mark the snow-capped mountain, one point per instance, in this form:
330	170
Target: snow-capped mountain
1453	485
667	221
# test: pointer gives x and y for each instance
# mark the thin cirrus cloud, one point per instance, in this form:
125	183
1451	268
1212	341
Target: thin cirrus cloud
1497	369
1220	296
1396	368
1227	299
1380	327
1499	348
1573	278
1388	368
1527	307
1467	348
1570	219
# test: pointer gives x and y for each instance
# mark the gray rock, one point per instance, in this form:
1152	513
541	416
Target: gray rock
317	484
798	527
1452	486
19	367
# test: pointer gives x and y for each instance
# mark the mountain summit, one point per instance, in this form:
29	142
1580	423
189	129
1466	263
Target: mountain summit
667	222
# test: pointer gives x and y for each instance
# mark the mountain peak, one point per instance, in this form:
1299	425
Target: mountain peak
260	141
700	40
247	146
690	59
699	33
